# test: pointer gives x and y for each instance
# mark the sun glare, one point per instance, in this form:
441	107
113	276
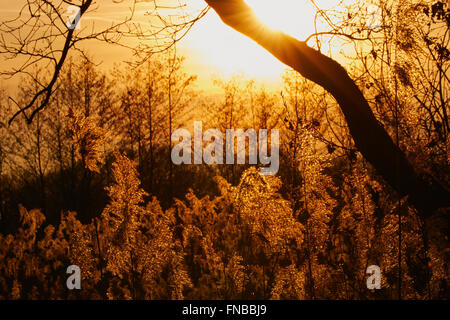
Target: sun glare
224	51
295	17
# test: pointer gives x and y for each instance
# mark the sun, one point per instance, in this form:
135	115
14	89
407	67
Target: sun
214	48
295	17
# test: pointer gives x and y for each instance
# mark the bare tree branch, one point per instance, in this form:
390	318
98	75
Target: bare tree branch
39	36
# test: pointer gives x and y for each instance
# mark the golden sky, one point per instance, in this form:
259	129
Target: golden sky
211	48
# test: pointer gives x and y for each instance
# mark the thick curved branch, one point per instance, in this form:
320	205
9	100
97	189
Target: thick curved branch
370	137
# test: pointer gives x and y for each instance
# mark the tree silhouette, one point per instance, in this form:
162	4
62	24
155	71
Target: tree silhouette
41	35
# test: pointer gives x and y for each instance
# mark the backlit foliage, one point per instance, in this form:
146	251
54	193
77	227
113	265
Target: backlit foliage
87	137
245	243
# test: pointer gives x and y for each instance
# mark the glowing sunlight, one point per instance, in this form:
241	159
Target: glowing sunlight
222	50
291	16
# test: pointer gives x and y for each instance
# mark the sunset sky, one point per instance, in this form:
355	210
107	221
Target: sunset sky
211	48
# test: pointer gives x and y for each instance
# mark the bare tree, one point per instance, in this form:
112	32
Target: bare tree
41	35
